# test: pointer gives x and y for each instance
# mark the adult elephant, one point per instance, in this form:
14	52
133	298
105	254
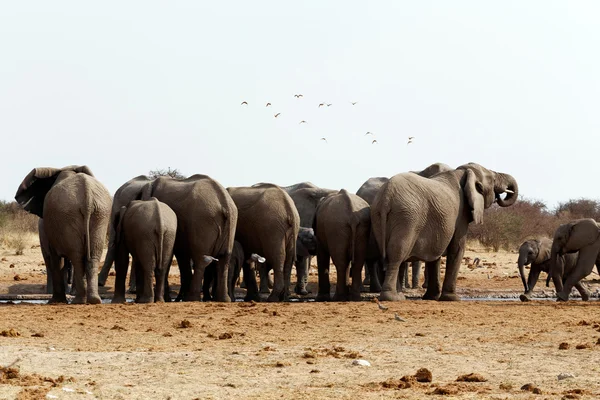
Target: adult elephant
129	191
268	224
306	197
206	222
417	218
583	236
75	208
64	263
536	253
368	191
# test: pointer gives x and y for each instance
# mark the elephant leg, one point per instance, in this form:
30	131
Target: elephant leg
324	292
185	274
220	292
343	282
302	265
456	250
91	273
132	281
263	273
53	266
121	266
584	267
200	264
372	268
250	280
355	288
426	279
209	277
432	276
405	282
145	280
583	291
67	273
389	292
402	277
278	292
416	274
78	282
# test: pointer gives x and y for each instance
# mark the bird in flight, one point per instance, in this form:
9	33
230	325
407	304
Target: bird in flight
409	142
303	122
374	141
268	104
321	105
324	139
244	102
368	133
277	115
329	105
353	102
298	96
411	137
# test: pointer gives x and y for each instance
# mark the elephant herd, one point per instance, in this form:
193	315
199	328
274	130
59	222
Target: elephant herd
215	232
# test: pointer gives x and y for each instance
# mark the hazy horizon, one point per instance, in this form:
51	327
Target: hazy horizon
129	87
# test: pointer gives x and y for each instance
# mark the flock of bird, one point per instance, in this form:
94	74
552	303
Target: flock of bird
298	96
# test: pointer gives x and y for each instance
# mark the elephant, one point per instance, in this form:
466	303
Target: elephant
368	191
306	197
583	236
417	218
536	252
75	208
236	264
146	230
129	191
206	223
64	263
268	224
342	227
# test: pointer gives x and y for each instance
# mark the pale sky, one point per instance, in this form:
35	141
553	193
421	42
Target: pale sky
130	86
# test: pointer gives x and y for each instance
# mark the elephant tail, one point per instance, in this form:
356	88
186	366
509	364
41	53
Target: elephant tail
383	239
353	226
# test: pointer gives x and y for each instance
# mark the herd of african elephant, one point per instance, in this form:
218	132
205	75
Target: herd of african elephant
216	232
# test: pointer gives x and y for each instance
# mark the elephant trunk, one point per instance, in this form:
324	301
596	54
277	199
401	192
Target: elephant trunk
522	261
505	183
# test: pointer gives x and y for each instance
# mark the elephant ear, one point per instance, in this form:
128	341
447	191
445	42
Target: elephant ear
118	222
473	191
80	169
147	192
32	191
544	250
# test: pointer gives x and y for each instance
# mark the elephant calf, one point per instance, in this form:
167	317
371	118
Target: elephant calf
342	228
583	236
537	253
146	230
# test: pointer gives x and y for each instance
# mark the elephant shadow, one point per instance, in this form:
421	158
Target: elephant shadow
27	288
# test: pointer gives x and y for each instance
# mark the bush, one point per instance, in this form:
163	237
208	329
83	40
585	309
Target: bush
173	173
18	228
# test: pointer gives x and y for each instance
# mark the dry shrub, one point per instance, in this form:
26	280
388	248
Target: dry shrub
507	228
18	228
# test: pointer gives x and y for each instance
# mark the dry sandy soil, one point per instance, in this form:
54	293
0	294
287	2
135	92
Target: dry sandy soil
300	349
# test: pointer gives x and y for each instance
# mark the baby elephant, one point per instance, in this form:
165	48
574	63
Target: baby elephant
146	230
342	227
536	252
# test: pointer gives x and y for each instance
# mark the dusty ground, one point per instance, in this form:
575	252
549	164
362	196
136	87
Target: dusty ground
300	350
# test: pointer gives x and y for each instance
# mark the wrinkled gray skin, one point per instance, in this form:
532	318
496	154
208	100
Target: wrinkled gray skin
129	191
536	252
416	218
206	222
64	263
268	224
368	191
583	236
75	208
306	197
146	230
342	227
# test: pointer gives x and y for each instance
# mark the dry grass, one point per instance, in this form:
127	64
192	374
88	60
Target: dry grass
18	229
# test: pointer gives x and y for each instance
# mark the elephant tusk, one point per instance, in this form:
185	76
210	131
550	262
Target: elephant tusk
509	191
256	257
209	259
